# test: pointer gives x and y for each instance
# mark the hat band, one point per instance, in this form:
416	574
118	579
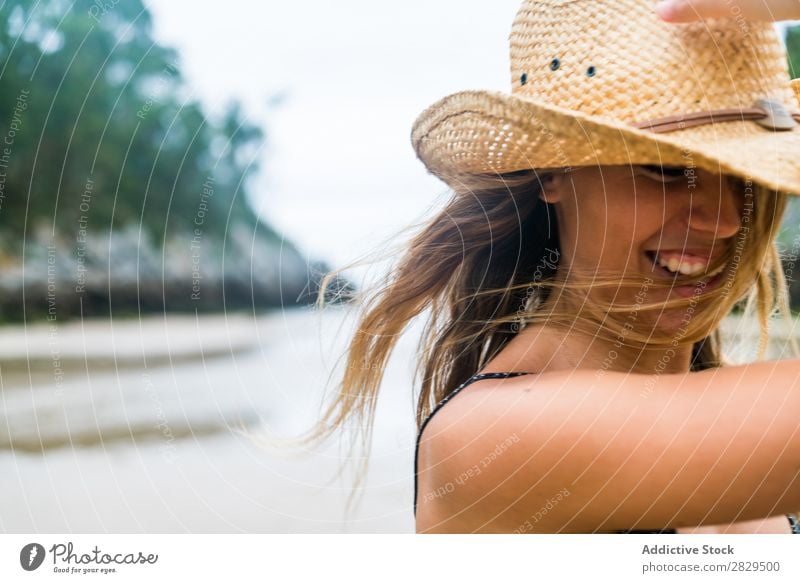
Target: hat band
770	114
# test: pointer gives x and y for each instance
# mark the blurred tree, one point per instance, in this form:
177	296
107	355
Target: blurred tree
789	236
100	128
793	48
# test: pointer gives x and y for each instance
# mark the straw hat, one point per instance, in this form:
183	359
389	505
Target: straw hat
607	82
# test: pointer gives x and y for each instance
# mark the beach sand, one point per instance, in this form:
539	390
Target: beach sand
116	447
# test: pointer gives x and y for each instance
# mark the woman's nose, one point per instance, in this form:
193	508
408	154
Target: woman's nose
716	207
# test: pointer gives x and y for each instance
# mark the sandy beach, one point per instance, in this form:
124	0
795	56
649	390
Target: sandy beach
141	428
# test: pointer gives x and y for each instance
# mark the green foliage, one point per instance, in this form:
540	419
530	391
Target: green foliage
793	48
789	235
89	99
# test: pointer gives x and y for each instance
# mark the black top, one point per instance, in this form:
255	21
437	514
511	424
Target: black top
793	520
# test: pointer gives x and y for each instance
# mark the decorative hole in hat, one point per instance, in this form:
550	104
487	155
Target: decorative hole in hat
715	93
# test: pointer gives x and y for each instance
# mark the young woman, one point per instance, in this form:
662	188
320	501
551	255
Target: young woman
607	215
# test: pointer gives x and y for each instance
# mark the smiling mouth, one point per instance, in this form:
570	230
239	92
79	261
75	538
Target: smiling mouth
678	277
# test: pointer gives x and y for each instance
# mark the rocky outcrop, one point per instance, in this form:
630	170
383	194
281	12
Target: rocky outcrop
125	272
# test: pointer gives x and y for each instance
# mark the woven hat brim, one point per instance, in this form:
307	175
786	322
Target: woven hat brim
489	132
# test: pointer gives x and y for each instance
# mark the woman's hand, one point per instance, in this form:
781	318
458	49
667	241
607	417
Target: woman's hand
754	10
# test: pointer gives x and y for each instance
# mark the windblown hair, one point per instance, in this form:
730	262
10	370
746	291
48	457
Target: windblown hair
484	264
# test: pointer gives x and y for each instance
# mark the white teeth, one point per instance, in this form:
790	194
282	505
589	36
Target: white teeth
685	268
672	264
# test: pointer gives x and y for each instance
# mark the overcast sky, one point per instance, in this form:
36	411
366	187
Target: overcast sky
340	174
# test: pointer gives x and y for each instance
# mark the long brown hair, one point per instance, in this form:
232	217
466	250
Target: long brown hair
482	265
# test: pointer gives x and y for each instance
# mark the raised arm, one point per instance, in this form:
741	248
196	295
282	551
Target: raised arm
581	452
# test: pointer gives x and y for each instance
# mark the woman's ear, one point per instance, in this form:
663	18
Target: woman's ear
551	186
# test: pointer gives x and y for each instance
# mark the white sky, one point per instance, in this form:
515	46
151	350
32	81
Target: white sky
339	175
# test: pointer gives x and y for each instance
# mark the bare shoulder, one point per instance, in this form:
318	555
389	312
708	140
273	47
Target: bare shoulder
448	446
585	451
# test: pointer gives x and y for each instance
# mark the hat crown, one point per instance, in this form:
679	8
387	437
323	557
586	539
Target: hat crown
618	59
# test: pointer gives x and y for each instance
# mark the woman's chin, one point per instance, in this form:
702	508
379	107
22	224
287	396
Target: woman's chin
677	321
